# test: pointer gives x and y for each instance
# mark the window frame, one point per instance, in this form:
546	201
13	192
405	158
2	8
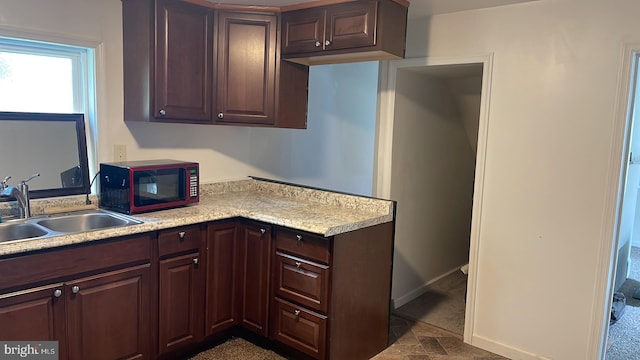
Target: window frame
84	55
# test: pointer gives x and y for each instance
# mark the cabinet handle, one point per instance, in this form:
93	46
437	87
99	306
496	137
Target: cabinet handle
220	116
75	289
299	240
262	231
162	112
298	264
195	261
327	43
317	43
181	235
297	314
57	293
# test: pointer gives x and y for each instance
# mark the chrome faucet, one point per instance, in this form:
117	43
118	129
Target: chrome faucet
21	193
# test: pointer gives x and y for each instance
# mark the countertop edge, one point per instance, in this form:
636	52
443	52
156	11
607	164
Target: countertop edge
253	204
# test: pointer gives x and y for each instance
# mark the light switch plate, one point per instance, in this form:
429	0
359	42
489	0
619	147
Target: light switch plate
119	152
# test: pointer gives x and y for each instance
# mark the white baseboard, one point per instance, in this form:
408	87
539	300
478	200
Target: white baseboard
504	350
415	293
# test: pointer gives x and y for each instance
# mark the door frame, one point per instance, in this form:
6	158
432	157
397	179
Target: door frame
615	185
384	147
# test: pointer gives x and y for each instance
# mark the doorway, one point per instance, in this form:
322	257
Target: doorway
625	279
434	168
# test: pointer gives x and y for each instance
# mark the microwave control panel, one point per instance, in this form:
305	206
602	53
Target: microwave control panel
193	182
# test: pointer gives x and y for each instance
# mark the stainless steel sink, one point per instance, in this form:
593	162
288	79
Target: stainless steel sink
20	230
86	221
62	224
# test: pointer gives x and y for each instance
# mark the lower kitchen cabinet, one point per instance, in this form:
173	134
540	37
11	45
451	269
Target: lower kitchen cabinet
108	315
255	260
180	298
180	314
22	310
130	298
95	300
331	295
221	310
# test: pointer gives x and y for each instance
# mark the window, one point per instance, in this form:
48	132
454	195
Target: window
45	77
40	76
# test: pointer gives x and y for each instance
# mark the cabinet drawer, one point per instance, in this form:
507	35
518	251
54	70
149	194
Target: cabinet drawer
299	328
64	262
304	245
302	281
179	240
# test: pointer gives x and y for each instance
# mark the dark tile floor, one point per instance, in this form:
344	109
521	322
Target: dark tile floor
442	304
430	327
415	340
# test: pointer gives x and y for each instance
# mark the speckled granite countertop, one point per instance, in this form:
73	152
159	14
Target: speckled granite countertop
321	212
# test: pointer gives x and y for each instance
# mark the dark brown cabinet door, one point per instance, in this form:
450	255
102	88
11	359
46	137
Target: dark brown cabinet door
34	314
303	31
183	62
108	315
246	68
180	302
221	311
255	247
351	25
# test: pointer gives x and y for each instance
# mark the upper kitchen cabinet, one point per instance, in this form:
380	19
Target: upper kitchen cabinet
168	61
246	68
183	60
345	32
206	63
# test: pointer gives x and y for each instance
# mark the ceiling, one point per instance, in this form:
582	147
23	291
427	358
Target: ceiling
432	7
418	8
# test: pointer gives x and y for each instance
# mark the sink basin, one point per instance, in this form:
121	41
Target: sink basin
86	221
62	224
21	230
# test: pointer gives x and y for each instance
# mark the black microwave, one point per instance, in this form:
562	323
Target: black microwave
137	186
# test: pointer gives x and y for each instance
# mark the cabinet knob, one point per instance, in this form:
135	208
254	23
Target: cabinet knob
318	44
220	116
195	261
75	289
298	264
181	235
57	293
297	314
327	43
262	231
162	112
299	239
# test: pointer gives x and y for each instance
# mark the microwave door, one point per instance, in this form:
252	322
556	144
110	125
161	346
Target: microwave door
154	187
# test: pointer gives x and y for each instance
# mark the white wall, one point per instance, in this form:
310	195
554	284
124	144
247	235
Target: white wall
341	111
549	145
466	92
432	180
336	150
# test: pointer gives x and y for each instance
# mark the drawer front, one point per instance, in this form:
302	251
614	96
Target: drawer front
302	281
299	328
304	245
179	240
64	262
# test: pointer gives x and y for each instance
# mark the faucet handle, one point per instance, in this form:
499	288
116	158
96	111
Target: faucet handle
3	184
29	178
